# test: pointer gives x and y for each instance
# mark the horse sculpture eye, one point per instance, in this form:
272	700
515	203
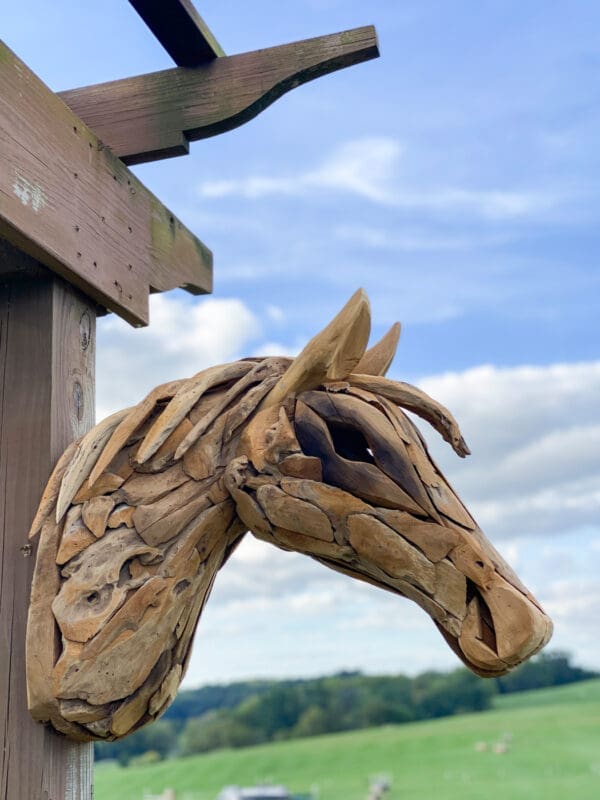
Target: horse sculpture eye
349	442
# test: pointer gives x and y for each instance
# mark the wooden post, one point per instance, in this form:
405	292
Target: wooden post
47	344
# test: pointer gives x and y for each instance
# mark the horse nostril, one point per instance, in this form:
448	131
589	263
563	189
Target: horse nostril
487	632
93	598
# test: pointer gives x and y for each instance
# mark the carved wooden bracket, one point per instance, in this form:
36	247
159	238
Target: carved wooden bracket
141	513
154	116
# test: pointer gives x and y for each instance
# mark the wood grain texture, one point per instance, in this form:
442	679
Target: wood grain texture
180	29
336	472
154	116
67	201
46	399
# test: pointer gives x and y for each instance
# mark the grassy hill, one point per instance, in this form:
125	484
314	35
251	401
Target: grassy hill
554	753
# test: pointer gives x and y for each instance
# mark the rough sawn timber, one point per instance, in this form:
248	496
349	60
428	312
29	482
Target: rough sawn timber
69	202
154	116
46	399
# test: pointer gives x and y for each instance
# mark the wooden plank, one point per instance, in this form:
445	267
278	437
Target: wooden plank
46	399
68	202
155	115
180	29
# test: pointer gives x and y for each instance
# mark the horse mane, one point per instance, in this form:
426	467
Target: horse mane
228	395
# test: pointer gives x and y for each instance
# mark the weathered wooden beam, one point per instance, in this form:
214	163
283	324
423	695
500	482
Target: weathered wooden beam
180	29
155	115
69	202
47	348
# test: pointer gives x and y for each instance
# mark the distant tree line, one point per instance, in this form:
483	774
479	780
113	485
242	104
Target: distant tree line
252	712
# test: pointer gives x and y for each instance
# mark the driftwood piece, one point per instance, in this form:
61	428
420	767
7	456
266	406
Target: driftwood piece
122	515
130	424
332	354
377	360
374	541
95	513
82	462
417	401
301	466
148	488
51	492
75	537
293	514
186	397
165	455
107	483
307	456
434	540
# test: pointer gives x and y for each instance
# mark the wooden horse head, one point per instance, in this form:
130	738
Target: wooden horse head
313	455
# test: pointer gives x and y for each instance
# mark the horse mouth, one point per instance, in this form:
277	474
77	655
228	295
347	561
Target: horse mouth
502	628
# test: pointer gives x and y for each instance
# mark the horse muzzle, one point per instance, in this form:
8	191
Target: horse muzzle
503	627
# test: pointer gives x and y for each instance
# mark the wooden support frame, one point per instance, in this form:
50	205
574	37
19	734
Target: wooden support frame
47	342
66	200
180	29
157	115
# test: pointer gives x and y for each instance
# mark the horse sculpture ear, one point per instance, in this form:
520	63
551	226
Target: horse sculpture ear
377	359
331	355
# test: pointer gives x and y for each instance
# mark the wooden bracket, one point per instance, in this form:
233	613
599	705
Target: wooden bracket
155	116
69	202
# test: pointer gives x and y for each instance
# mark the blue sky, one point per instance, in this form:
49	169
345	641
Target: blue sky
456	178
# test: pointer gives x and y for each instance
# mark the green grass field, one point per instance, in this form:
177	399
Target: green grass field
554	754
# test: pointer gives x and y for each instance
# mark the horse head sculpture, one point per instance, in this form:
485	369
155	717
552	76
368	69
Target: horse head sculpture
313	455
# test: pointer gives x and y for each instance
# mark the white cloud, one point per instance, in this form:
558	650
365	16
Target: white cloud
535	439
360	167
414	240
369	168
183	338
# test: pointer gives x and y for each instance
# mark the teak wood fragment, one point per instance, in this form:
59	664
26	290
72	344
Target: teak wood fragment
75	536
69	202
95	513
156	115
331	470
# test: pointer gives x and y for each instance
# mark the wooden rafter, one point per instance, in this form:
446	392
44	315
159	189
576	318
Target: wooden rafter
66	200
180	29
156	115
